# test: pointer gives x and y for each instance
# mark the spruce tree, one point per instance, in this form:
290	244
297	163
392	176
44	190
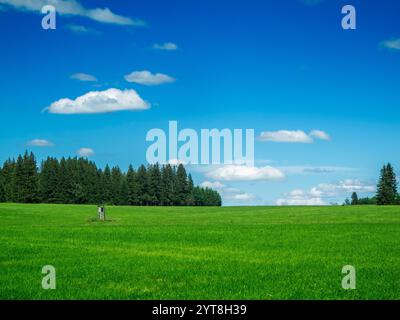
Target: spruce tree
8	180
387	186
132	186
155	187
354	199
181	185
168	186
48	181
143	186
2	192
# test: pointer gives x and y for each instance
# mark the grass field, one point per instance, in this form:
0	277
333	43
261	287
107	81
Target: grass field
199	253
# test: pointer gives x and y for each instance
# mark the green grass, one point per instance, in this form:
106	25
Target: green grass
199	253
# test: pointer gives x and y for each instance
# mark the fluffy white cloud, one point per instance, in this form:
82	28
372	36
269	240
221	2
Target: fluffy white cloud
110	100
168	46
85	152
81	29
83	77
245	173
40	143
393	44
301	202
318	134
293	136
296	136
342	187
148	79
241	197
228	193
73	7
212	185
320	194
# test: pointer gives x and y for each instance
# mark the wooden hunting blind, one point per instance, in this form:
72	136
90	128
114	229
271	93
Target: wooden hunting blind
102	213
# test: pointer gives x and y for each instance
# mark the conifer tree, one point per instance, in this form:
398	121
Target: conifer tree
132	186
181	185
354	199
155	187
2	193
143	186
387	186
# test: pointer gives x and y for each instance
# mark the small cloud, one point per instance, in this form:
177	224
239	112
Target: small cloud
40	143
313	169
212	185
81	29
74	8
301	202
245	173
393	44
110	100
229	193
296	136
148	79
175	162
85	152
168	46
293	136
83	77
318	134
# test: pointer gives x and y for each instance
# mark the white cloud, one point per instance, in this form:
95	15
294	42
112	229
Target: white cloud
393	44
301	202
81	29
110	100
313	169
40	143
148	79
228	193
212	185
85	152
342	187
320	194
293	136
297	136
175	162
245	173
168	46
318	134
83	77
73	7
242	197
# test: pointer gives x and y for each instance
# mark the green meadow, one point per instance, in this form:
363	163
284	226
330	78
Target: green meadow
199	252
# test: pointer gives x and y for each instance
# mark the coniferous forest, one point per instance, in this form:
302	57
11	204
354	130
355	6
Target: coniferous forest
80	181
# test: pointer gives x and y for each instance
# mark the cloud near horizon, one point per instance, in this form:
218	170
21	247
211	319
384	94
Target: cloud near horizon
110	100
228	193
74	8
320	194
85	152
293	136
245	173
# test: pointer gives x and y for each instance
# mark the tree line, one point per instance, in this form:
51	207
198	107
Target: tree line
386	194
80	181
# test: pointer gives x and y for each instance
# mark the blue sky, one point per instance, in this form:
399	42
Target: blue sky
267	65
